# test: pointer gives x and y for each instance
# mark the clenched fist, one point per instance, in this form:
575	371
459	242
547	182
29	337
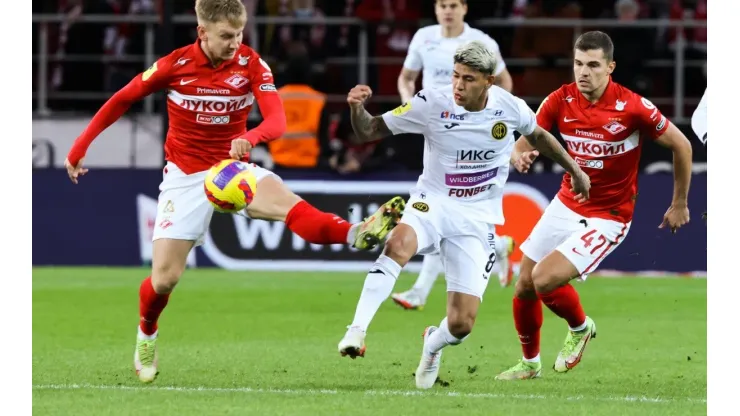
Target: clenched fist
358	95
240	148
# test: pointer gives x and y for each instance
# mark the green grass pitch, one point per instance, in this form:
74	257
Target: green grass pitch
264	343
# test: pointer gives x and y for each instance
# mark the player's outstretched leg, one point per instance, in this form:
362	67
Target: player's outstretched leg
416	297
379	282
504	248
551	277
527	310
275	202
168	263
462	309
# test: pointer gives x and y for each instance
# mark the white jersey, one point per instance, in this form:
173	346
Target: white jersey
434	53
699	119
466	154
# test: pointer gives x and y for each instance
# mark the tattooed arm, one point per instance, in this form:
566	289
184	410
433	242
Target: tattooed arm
549	146
411	117
367	128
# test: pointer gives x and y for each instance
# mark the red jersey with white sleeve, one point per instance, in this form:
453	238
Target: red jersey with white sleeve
207	106
605	139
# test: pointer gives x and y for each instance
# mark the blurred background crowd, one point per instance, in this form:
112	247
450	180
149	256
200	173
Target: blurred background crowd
89	61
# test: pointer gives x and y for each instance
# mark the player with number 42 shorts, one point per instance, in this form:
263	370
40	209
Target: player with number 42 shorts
604	126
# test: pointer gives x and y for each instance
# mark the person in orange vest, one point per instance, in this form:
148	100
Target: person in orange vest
307	118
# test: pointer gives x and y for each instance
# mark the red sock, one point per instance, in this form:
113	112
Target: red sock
565	303
528	321
151	305
317	227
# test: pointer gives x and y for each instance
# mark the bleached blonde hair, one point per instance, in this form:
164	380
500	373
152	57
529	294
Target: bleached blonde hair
212	11
475	54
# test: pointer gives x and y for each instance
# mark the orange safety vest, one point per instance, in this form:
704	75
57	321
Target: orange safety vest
299	146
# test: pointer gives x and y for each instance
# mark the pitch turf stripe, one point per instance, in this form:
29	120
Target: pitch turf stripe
316	392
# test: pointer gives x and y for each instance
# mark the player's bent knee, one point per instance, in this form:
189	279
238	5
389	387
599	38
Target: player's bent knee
524	288
542	281
545	281
169	260
166	275
553	271
460	325
401	244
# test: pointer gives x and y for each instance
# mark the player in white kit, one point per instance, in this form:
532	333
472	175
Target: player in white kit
699	119
430	53
699	124
454	210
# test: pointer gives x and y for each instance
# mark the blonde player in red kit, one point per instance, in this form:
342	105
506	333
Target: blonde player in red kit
604	126
211	86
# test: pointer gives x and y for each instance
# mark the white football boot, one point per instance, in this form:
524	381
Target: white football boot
408	300
428	370
353	343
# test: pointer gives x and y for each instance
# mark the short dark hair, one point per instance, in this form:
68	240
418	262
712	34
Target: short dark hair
596	40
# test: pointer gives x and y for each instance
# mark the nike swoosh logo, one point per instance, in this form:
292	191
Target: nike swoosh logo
183	82
574	250
376	271
568	120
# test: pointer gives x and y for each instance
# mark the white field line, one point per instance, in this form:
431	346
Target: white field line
326	392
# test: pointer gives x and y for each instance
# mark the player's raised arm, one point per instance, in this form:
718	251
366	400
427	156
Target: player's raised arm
149	81
367	127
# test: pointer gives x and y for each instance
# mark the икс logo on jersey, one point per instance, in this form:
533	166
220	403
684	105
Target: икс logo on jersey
474	159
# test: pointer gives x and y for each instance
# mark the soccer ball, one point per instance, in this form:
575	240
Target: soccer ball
230	185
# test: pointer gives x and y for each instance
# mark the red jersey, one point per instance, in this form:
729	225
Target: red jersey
605	139
207	106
